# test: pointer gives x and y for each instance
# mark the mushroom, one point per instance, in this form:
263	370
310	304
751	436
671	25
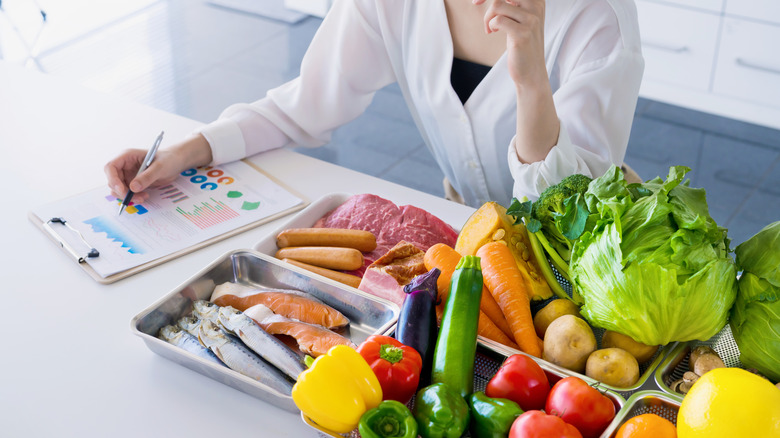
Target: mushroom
704	359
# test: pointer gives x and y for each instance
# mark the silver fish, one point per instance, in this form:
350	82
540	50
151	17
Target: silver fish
179	337
241	359
206	310
190	324
261	342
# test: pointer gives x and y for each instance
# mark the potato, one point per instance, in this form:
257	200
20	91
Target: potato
613	366
568	342
641	352
551	311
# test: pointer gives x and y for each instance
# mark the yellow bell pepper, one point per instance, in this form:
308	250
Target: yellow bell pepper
337	389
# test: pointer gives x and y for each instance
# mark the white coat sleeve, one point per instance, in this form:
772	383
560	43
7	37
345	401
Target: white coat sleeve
345	64
595	103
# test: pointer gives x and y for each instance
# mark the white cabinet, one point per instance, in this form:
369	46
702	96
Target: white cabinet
707	5
746	70
681	51
762	10
716	56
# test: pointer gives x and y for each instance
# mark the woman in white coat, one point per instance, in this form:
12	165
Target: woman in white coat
509	95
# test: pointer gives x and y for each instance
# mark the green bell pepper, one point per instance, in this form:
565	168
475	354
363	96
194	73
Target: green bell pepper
440	412
491	417
391	419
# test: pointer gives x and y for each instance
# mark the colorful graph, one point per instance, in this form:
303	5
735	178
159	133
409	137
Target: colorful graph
132	208
250	205
114	233
173	193
160	229
208	214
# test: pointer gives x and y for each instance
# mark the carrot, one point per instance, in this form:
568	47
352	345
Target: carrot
488	329
507	285
446	259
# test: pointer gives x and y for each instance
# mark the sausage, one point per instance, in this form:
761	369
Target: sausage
364	241
331	257
341	277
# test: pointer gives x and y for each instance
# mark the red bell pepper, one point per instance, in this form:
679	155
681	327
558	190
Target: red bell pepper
397	366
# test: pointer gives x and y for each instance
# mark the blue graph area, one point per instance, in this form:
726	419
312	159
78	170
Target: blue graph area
113	232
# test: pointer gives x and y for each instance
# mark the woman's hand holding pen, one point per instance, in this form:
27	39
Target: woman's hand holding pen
537	121
168	164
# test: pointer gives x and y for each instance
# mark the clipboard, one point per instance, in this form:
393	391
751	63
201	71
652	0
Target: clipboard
79	249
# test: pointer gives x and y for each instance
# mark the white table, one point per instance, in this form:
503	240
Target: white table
70	364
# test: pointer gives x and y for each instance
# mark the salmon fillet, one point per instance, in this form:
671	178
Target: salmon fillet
290	305
314	340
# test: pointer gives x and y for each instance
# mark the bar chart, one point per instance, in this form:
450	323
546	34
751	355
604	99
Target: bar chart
172	193
207	214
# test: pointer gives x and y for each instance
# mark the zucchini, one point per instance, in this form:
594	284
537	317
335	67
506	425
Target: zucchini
456	345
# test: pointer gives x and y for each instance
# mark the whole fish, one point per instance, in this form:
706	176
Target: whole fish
179	337
205	310
241	359
261	342
190	324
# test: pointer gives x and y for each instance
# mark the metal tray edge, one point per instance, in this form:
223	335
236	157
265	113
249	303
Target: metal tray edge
622	415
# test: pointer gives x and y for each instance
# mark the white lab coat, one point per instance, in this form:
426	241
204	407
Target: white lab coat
593	58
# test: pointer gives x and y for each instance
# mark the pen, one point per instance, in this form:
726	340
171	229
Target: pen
144	165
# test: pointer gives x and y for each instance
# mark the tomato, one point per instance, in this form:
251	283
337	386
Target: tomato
537	424
521	380
580	405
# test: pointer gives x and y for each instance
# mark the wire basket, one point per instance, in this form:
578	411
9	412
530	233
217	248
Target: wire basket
644	402
676	363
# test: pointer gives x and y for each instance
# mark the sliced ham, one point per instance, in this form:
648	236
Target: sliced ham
387	276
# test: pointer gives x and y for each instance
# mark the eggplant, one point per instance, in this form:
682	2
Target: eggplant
417	325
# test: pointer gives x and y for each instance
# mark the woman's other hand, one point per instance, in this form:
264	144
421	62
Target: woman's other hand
523	23
167	165
537	122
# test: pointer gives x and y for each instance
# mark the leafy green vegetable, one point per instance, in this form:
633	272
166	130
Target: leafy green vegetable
654	265
562	212
557	218
755	317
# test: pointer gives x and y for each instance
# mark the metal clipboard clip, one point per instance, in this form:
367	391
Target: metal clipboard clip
81	259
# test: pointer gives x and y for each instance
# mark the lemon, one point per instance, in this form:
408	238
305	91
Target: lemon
730	403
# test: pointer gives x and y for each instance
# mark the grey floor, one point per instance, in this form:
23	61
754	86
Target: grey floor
193	58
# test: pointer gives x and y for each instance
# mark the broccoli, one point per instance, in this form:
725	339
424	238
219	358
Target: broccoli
562	221
557	218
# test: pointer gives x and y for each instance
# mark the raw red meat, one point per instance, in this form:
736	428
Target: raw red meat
389	223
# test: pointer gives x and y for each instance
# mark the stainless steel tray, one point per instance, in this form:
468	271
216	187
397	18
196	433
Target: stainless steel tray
487	362
676	363
367	314
644	402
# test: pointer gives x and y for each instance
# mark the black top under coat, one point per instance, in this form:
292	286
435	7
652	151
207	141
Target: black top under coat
465	76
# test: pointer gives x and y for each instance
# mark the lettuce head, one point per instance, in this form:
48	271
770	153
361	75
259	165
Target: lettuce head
654	266
755	317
